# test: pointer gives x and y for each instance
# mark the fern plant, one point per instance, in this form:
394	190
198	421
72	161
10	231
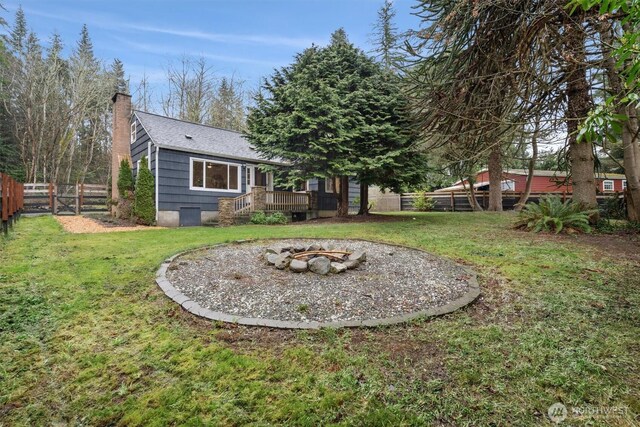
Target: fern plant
553	215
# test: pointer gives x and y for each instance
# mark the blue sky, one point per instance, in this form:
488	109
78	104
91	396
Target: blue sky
245	38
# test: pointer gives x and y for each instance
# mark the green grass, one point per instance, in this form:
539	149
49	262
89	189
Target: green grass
87	338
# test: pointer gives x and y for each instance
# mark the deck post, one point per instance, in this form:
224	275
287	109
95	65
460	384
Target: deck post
225	211
313	200
259	198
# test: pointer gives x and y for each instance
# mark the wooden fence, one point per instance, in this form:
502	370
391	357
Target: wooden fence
60	199
11	200
457	201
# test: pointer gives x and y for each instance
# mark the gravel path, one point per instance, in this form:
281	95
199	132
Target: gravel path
234	279
81	224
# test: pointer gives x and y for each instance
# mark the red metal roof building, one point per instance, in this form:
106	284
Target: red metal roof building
544	181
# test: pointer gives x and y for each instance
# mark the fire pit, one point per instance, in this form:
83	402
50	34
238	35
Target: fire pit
260	283
314	258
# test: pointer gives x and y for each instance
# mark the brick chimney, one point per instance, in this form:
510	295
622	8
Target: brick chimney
121	137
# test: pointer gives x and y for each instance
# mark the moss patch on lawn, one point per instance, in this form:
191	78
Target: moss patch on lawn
86	337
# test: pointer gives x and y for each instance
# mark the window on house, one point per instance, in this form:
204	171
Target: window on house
207	175
508	185
329	185
302	187
133	132
607	185
233	177
197	178
624	184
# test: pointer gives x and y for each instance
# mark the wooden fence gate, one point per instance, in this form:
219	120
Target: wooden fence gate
65	199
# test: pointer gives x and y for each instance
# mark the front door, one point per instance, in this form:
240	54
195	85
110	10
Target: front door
251	177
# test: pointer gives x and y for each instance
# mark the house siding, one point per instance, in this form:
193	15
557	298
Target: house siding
174	182
328	201
141	148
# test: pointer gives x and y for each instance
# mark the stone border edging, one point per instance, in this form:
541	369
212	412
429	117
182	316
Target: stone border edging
195	308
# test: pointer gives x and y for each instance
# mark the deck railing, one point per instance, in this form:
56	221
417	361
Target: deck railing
287	201
260	199
242	204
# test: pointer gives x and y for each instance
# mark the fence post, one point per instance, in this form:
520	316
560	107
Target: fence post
50	197
81	197
453	202
5	203
12	201
55	199
77	199
20	199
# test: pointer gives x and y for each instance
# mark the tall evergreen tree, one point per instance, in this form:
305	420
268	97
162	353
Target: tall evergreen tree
227	109
18	34
334	112
121	84
386	38
144	204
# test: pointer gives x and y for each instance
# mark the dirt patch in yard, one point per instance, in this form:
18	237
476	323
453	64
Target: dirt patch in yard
619	245
356	219
81	224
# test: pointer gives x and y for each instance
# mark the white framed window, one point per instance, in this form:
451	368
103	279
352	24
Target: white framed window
329	186
624	184
134	131
209	175
508	185
607	185
303	187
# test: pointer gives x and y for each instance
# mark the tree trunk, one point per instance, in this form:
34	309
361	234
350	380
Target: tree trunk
578	105
471	194
532	166
364	199
630	129
631	161
343	197
495	180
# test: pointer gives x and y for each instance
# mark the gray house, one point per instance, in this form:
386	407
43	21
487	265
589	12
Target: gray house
197	168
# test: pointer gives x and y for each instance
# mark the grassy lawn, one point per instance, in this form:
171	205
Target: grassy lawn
87	338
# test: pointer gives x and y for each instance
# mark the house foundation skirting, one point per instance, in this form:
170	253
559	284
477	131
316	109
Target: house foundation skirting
172	218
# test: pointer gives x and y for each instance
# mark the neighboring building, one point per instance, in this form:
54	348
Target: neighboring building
544	181
195	165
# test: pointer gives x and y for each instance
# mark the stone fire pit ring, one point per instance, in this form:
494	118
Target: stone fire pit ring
233	283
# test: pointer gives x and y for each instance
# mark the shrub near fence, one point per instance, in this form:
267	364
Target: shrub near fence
11	200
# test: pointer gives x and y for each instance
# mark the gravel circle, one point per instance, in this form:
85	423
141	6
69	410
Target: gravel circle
235	279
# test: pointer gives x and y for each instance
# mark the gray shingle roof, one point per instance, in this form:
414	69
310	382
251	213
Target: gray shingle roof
170	133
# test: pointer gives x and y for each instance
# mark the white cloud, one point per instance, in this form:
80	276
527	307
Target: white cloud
164	50
271	40
111	23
